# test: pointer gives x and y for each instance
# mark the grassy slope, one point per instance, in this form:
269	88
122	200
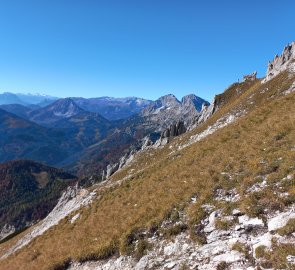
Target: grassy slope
161	181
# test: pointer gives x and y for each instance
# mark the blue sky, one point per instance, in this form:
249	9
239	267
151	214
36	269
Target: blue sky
139	48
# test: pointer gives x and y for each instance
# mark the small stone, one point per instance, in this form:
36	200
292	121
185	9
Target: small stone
236	212
291	259
280	220
142	264
246	221
169	265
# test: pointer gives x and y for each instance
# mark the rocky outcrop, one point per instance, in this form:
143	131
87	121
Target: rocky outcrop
250	77
167	110
125	160
146	142
220	249
206	111
280	63
174	130
6	231
220	123
111	168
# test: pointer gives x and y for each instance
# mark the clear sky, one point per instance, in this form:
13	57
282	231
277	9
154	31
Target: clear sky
144	48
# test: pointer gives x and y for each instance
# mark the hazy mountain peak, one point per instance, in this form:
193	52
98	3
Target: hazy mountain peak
192	100
60	109
167	101
113	108
65	108
10	98
25	99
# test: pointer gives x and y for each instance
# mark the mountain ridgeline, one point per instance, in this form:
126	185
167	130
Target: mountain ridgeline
71	133
188	184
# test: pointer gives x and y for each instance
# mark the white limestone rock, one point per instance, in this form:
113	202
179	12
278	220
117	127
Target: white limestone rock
111	168
6	231
211	222
291	259
142	264
229	257
281	63
74	218
263	240
250	77
253	222
280	220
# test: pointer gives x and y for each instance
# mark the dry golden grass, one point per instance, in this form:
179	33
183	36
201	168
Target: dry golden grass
259	144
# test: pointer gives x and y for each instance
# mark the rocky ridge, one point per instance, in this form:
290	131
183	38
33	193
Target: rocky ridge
168	109
280	63
230	240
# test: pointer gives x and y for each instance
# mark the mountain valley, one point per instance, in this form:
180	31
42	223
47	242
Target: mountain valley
173	184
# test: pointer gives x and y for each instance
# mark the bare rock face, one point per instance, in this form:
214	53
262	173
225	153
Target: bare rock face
206	111
111	168
167	110
6	231
250	77
280	63
146	142
192	105
174	130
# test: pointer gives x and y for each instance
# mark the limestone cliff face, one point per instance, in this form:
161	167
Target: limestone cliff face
174	130
206	112
280	63
167	110
250	77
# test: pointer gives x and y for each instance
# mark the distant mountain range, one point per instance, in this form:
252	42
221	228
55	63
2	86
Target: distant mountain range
108	107
113	108
85	135
26	99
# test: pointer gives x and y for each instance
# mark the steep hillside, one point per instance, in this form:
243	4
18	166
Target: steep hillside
28	191
218	197
17	109
20	138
